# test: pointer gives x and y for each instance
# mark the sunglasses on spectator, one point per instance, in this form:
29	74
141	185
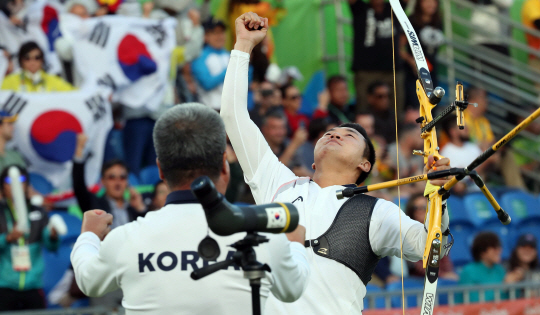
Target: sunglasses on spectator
37	58
266	93
294	97
115	177
8	179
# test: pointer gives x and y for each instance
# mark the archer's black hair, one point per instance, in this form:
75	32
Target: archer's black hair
482	242
369	150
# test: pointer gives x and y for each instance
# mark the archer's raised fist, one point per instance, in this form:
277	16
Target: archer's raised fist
250	31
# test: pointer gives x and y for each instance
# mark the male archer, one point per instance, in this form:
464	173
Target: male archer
347	237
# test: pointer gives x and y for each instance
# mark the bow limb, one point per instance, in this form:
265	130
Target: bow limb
428	100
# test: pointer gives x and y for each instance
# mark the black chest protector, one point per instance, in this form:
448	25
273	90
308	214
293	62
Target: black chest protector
347	239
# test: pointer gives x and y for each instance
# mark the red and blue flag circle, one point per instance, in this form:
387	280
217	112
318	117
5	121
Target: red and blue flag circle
134	58
54	135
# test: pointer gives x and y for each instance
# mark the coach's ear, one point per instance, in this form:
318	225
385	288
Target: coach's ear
313	166
222	181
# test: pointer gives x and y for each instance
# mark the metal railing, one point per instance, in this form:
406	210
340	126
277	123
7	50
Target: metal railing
452	294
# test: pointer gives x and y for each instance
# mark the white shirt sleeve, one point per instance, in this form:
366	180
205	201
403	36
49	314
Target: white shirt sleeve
248	143
384	233
290	268
94	263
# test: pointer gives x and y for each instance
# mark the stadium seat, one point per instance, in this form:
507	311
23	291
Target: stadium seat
520	206
73	227
149	175
479	208
56	263
463	233
379	301
133	180
41	184
457	212
408	283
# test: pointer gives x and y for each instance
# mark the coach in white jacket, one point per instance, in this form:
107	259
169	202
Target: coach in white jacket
151	259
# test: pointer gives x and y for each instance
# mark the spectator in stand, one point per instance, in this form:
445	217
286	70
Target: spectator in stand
64	45
8	156
274	130
490	32
317	128
378	99
461	152
372	26
31	77
6	64
382	275
530	16
416	210
210	67
114	176
380	170
475	119
292	101
486	268
409	164
523	263
339	109
159	196
526	144
267	101
20	284
480	133
427	23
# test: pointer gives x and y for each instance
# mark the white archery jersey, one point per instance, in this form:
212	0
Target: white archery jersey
333	288
151	260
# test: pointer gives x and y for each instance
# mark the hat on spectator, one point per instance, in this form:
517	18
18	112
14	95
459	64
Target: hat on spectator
90	5
527	240
212	23
7	117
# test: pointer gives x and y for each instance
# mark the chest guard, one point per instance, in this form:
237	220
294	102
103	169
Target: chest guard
347	239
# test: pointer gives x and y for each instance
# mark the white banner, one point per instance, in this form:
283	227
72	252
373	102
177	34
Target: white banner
40	24
47	127
131	55
4	63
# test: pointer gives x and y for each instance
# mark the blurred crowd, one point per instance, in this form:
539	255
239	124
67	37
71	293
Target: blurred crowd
199	63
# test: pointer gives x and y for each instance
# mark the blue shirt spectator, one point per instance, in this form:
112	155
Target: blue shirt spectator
486	269
210	67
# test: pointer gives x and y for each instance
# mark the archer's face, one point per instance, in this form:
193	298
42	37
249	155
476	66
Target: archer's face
342	147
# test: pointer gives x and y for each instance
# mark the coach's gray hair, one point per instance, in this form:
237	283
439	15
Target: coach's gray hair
190	141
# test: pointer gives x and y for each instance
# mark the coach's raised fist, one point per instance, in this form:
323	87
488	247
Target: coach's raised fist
250	30
98	222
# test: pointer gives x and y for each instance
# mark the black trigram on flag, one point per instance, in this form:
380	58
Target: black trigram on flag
158	32
14	104
96	104
107	80
100	34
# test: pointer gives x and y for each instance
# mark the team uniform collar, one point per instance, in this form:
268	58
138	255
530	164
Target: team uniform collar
180	197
